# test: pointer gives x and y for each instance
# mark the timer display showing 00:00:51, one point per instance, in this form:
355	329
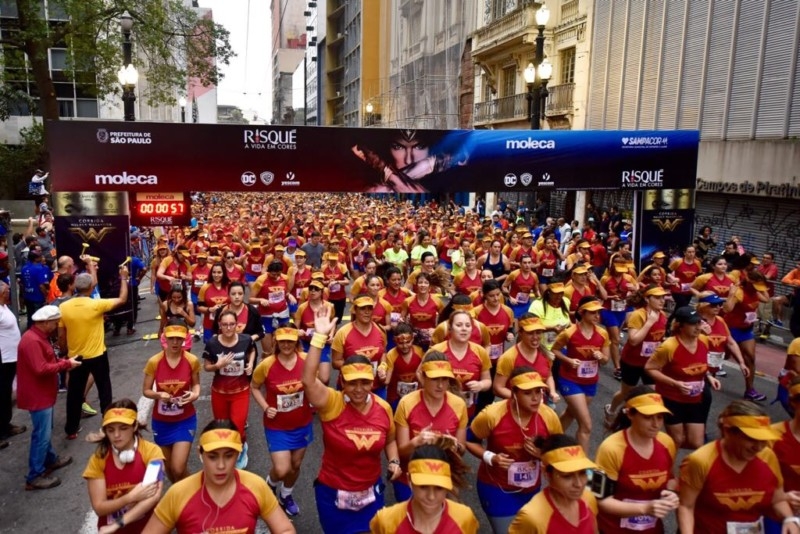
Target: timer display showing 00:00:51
161	208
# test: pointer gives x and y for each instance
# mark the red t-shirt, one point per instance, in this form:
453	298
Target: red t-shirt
582	348
275	292
404	373
174	380
284	391
680	364
423	315
337	280
211	296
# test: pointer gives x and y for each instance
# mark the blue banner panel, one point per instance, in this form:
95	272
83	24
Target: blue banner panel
115	156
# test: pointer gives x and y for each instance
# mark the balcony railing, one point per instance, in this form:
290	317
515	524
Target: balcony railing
559	99
515	24
569	10
515	107
508	107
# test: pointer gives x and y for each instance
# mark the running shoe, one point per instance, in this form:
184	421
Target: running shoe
753	395
609	416
241	462
289	506
88	410
618	374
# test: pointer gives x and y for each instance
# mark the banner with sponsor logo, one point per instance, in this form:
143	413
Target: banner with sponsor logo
666	223
165	157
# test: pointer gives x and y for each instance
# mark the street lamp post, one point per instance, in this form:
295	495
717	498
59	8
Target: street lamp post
182	102
127	75
370	108
536	81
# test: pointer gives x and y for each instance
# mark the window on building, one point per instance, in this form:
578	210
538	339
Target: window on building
509	80
58	59
567	61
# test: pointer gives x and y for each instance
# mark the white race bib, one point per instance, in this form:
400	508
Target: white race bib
648	348
354	500
199	283
550	337
739	527
685	288
618	305
335	287
523	298
548	272
255	267
290	402
395	317
404	388
715	359
450	252
750	317
359	258
587	369
523	474
235	368
696	388
638	522
169	408
470	397
276	297
495	351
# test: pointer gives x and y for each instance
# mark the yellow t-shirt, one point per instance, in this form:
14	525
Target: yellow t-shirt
83	319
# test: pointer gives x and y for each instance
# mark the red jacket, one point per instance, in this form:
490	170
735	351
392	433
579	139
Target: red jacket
37	371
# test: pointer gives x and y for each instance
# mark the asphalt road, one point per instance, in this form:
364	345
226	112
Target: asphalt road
67	507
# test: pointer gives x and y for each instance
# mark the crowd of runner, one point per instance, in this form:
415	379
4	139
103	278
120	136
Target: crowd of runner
450	334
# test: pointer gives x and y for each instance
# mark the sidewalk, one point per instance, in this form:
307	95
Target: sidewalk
769	359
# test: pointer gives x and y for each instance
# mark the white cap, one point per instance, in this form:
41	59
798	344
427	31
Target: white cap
47	313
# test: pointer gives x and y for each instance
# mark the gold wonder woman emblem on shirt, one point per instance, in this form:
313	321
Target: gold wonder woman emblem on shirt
649	481
363	439
740	499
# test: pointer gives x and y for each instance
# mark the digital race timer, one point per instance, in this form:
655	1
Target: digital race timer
160	209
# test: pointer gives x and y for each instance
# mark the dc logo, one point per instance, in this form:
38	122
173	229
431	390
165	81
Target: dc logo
266	177
290	176
526	178
248	179
510	179
546	177
102	135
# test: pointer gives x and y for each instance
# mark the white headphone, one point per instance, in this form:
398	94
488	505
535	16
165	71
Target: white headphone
129	455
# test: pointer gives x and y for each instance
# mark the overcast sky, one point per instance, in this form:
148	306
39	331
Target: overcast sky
247	82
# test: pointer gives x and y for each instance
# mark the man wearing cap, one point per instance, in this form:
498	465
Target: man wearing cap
37	389
35	277
9	341
81	332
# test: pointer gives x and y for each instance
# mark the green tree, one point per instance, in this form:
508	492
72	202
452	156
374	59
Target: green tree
17	162
171	44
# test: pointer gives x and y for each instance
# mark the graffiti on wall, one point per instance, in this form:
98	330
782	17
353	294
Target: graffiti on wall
739	217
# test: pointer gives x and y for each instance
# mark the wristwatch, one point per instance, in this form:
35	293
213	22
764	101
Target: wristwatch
120	521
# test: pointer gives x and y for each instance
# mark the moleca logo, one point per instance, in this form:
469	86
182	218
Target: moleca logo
530	144
638	178
125	179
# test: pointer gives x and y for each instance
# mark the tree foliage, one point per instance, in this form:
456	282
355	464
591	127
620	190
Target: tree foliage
17	162
171	44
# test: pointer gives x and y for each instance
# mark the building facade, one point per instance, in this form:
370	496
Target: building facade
289	39
730	69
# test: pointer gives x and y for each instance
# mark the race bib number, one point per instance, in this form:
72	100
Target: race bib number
169	408
276	297
335	287
199	283
649	348
495	351
354	500
741	527
309	332
618	305
470	397
113	516
715	359
548	272
235	368
404	388
450	253
255	267
685	288
587	369
696	388
523	474
638	522
550	337
290	402
395	317
359	258
750	317
523	298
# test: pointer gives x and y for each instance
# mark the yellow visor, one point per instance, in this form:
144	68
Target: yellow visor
357	371
126	416
428	472
221	438
753	426
438	369
286	334
528	381
648	404
568	459
176	330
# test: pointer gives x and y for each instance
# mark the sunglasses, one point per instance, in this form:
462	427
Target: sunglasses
230	257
